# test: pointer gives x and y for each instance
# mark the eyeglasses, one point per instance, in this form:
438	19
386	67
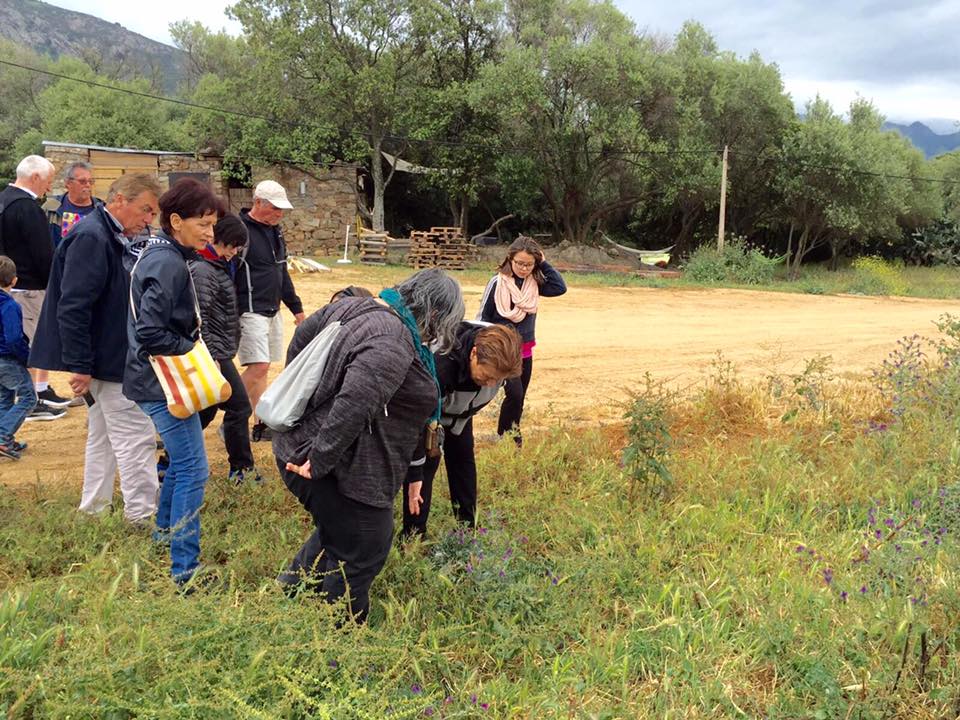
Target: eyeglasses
524	265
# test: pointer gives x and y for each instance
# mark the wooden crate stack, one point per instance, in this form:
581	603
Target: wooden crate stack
373	248
442	247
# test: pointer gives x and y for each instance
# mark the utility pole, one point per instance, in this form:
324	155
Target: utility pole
723	200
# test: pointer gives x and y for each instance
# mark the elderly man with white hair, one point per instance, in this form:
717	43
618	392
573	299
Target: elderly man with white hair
25	239
263	282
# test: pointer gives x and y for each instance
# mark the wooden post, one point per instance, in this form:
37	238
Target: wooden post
723	200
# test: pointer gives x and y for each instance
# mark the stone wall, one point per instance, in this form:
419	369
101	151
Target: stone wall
324	204
63	156
324	201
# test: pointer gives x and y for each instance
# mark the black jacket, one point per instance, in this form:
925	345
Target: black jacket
552	287
166	314
462	397
83	324
368	413
262	276
218	305
25	238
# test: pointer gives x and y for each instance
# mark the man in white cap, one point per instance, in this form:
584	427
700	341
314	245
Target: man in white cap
262	283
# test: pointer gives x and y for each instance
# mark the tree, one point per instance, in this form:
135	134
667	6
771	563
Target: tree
352	65
566	89
462	36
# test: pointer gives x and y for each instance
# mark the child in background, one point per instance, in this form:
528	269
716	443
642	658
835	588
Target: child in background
17	396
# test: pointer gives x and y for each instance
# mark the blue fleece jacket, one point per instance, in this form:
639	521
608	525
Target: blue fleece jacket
13	343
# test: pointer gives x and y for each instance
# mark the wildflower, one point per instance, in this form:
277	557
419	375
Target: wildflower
334	664
916	504
428	711
448	700
473	698
889	522
898	547
503	574
485	706
482	531
843	596
800	548
416	689
878	534
828	576
863	589
469	567
508	553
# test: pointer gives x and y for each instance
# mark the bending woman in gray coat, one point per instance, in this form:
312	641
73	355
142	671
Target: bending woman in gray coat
347	458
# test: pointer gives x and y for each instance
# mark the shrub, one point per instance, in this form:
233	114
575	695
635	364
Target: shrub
876	276
737	263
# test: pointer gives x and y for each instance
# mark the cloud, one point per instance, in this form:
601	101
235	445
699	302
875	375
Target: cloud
900	54
153	18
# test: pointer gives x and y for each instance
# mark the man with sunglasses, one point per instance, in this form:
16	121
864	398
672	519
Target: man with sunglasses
263	282
65	211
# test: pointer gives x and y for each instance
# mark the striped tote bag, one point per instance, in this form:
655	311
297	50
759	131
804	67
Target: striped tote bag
190	382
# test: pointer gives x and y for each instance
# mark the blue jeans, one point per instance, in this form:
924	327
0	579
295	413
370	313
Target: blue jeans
17	398
178	513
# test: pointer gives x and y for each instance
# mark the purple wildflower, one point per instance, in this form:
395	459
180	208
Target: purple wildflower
800	548
473	698
448	700
485	706
503	574
828	576
334	664
508	553
916	504
469	567
843	596
889	522
863	589
428	711
416	689
878	534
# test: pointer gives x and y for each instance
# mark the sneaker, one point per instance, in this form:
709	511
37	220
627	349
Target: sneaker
50	397
19	446
238	477
8	451
44	411
260	432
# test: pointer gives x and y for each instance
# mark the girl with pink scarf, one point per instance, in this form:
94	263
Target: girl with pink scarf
512	297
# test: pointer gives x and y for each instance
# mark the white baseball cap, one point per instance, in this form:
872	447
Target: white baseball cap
273	193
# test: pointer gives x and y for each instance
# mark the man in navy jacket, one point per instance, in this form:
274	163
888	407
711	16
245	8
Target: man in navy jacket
83	331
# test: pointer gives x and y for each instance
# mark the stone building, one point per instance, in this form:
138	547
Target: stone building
324	199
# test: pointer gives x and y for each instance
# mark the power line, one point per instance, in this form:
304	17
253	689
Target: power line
437	141
357	133
852	171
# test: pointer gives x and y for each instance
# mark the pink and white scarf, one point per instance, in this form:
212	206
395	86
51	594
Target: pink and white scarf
524	299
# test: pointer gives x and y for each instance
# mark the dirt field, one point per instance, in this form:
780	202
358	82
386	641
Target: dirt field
592	343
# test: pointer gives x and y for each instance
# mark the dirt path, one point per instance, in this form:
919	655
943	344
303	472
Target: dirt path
593	342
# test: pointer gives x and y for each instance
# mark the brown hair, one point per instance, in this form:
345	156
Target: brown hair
188	198
351	291
500	347
132	185
8	271
526	244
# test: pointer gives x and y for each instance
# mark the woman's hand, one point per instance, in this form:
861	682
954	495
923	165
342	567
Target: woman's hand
414	499
304	470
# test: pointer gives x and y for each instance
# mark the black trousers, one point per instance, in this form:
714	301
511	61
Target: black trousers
236	419
348	548
515	391
458	458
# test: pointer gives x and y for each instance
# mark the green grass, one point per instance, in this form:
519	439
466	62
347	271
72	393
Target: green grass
584	596
939	282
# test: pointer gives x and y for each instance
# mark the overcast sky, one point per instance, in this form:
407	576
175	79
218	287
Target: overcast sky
901	54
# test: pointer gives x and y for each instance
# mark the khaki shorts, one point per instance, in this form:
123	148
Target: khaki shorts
261	339
30	302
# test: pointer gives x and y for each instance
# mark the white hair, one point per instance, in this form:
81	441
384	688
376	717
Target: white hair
34	165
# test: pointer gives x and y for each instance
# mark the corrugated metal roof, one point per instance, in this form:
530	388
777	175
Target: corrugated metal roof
131	151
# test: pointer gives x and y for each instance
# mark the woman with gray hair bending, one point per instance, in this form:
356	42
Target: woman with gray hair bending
348	456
